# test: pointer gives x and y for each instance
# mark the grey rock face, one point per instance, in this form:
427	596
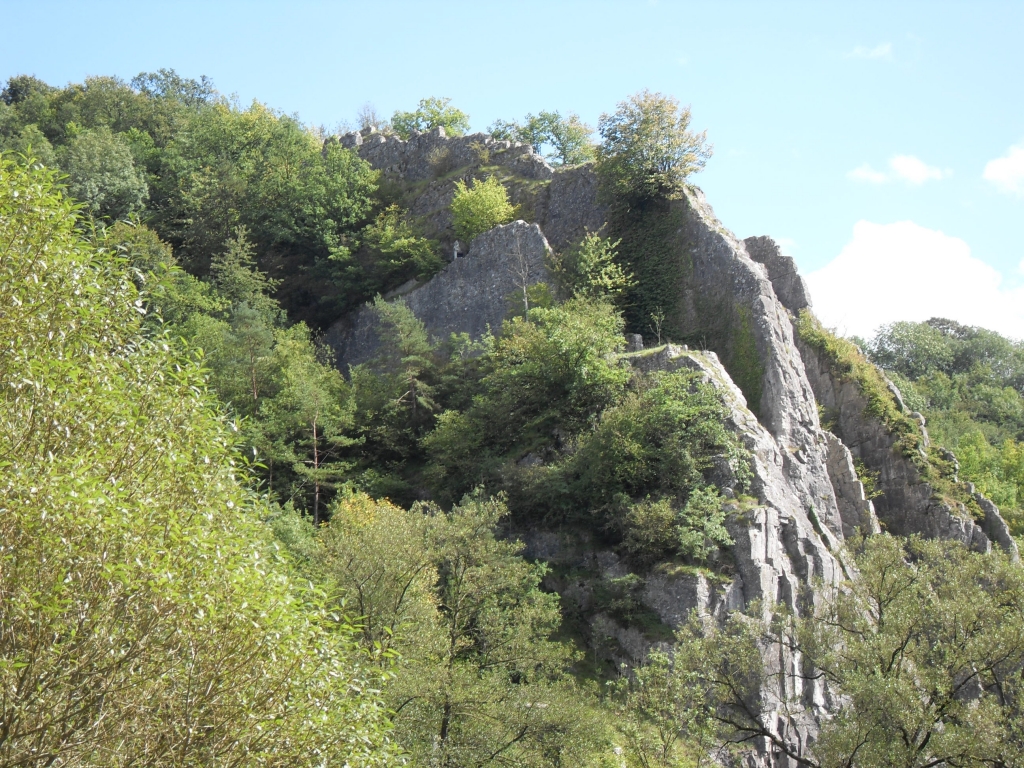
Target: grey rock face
855	510
563	201
908	505
789	286
569	207
470	295
675	596
727	295
782	546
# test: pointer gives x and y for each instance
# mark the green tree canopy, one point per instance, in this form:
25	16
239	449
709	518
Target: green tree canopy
144	616
478	208
481	680
922	654
102	174
647	149
589	269
562	140
432	112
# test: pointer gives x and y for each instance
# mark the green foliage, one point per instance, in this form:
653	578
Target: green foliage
651	250
209	166
310	415
848	363
656	531
647	150
926	645
235	276
168	84
29	142
664	717
968	383
432	112
590	270
405	334
21	87
402	251
479	208
171	294
939	345
551	373
567	138
479	681
144	615
102	174
656	445
922	652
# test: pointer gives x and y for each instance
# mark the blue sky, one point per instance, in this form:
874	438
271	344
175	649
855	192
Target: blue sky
856	134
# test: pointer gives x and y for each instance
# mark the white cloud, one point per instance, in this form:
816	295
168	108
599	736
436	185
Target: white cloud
901	167
868	174
1007	173
909	168
903	271
881	51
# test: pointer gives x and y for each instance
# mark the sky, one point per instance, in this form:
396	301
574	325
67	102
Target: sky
882	145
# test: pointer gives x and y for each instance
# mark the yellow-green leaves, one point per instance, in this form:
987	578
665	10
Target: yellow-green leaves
144	618
479	208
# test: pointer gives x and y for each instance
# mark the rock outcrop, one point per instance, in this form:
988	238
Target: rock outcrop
738	301
907	504
789	286
472	294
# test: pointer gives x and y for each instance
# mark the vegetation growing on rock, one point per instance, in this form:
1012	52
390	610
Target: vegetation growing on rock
445	555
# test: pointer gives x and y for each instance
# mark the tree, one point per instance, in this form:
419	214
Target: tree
168	84
480	680
368	118
663	715
568	138
589	270
922	655
400	253
236	277
20	87
553	371
432	112
479	208
911	349
312	410
145	617
647	150
102	174
405	336
926	647
30	142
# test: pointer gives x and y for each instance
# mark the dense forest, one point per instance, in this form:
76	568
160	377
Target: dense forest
219	548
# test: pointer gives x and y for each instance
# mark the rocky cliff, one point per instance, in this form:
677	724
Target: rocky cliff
738	301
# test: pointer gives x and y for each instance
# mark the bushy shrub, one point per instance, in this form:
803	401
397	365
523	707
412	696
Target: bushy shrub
479	208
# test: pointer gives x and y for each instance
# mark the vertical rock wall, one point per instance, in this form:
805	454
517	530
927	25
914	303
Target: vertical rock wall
473	294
